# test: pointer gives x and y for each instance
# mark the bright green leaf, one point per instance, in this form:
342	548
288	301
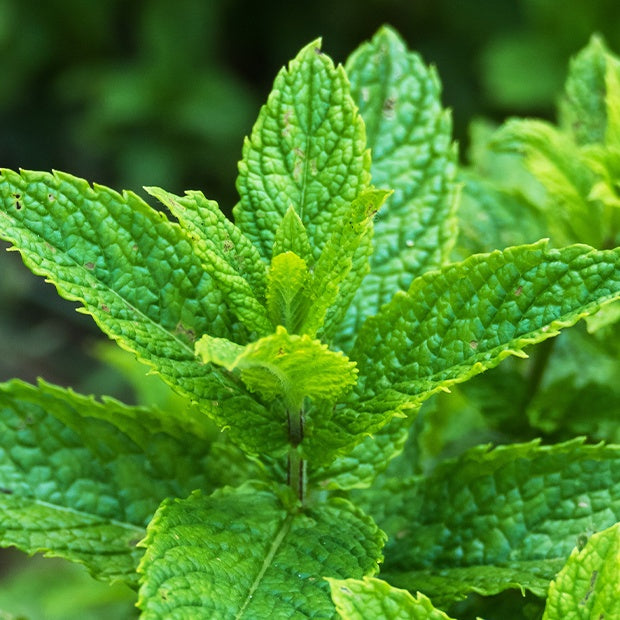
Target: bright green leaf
612	102
288	297
455	323
358	599
284	365
307	150
80	479
136	274
228	256
410	138
583	105
519	509
343	263
291	236
240	554
363	460
588	586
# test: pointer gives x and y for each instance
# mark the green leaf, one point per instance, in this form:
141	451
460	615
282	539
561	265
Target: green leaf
588	587
137	275
449	584
585	106
284	365
240	554
457	322
361	463
228	256
80	479
559	165
612	101
291	236
307	150
410	137
492	218
358	599
343	263
504	518
288	299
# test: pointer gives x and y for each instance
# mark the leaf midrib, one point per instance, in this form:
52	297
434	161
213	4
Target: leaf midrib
271	553
58	281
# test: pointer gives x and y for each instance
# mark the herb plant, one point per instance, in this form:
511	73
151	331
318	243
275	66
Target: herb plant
311	331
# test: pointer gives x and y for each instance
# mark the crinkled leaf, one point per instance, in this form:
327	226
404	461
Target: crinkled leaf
358	599
361	464
588	585
612	101
284	365
521	508
409	134
228	256
288	297
80	479
307	150
240	554
138	276
291	236
455	323
343	263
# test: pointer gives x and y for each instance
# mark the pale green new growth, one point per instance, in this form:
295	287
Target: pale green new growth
284	365
227	255
588	587
291	236
305	337
372	598
288	295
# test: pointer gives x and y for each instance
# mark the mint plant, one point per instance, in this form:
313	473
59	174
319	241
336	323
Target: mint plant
310	331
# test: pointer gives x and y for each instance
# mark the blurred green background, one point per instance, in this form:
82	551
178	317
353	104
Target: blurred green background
162	93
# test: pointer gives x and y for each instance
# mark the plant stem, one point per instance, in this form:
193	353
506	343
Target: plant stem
296	465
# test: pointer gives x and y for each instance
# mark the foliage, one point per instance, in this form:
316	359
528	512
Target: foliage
311	331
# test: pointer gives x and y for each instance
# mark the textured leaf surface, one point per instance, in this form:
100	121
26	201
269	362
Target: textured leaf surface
344	260
588	586
291	236
288	297
409	135
284	365
466	318
521	508
240	554
80	479
228	256
137	274
307	150
360	465
358	599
